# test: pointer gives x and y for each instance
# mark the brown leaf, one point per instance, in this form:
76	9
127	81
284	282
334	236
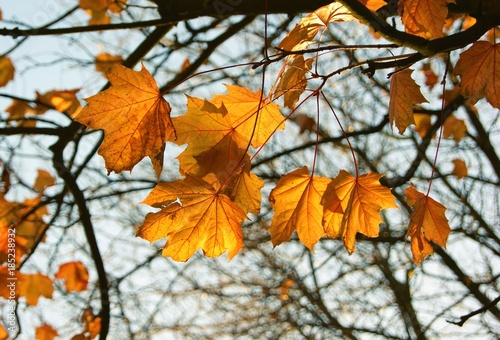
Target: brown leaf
405	94
43	181
459	168
454	127
428	224
135	119
6	70
479	68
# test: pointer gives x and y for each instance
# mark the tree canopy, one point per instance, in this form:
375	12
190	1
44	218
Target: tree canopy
262	169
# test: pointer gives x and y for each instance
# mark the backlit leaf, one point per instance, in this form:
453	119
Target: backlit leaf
425	18
352	205
4	335
135	119
405	93
304	32
193	215
422	123
75	275
43	180
292	79
6	70
33	286
63	101
454	128
427	223
479	68
373	5
92	324
105	61
296	203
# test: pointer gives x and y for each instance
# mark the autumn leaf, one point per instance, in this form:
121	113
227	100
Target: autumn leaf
479	68
43	180
352	205
373	5
245	191
193	215
18	110
64	101
454	128
135	119
296	203
405	93
33	286
292	80
304	122
4	335
45	332
92	324
98	9
304	32
428	224
431	78
425	18
8	238
422	123
219	131
75	275
6	70
105	61
459	168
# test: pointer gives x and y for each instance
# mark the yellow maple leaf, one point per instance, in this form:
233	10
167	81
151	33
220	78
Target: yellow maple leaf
105	61
75	275
63	101
422	123
427	223
304	32
425	18
45	332
352	205
405	93
6	70
479	68
296	203
32	286
193	215
135	119
292	79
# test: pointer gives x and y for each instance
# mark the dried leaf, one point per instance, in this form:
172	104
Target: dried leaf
459	168
6	70
304	32
296	203
292	79
75	275
428	224
194	215
479	68
352	205
405	93
135	119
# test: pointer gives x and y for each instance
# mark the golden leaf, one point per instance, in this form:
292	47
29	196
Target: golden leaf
45	332
425	18
32	286
6	70
75	275
135	119
296	203
352	205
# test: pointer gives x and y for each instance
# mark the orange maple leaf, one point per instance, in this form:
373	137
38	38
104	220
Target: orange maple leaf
425	18
296	202
32	286
4	335
92	324
193	215
292	80
479	68
304	32
61	100
405	93
105	61
219	131
427	223
75	275
454	127
353	205
43	180
135	119
45	332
